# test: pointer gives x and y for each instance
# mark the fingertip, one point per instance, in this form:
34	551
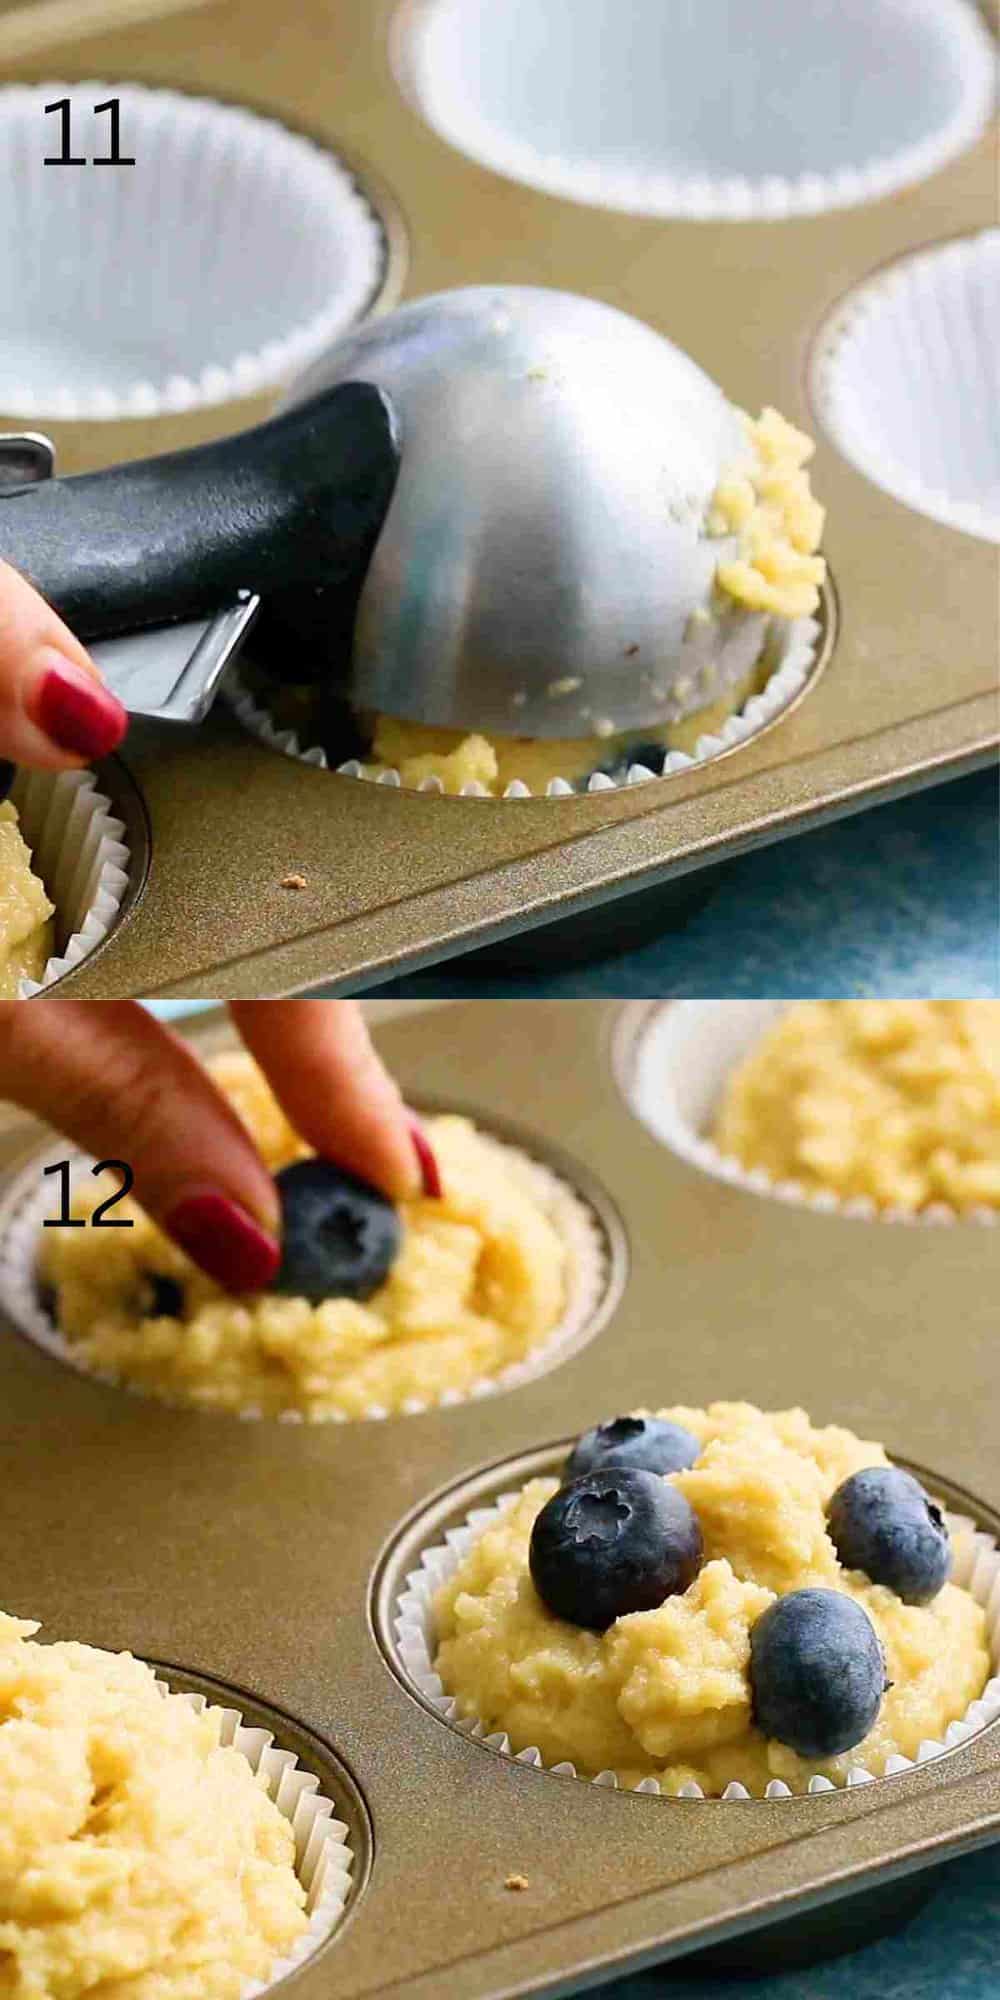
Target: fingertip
224	1240
75	711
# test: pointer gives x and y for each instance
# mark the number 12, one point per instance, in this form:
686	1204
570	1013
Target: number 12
64	1220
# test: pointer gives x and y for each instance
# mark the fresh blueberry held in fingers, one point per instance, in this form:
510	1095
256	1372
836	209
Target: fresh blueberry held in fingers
817	1672
882	1522
611	1542
648	1444
340	1237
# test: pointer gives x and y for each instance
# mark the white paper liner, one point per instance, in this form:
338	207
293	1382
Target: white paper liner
793	645
976	1568
905	380
80	851
711	110
674	1074
233	251
577	1223
323	1855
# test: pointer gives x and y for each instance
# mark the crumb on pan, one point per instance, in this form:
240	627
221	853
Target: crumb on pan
516	1882
294	882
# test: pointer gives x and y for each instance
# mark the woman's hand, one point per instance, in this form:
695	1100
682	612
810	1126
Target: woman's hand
120	1085
55	711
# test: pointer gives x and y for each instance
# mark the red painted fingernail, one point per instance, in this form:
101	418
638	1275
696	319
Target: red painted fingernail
225	1241
75	711
430	1172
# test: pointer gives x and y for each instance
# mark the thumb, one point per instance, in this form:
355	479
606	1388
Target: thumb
121	1085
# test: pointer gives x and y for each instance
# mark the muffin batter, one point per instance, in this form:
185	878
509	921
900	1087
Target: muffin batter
25	910
418	752
481	1279
137	1856
897	1100
666	1693
768	504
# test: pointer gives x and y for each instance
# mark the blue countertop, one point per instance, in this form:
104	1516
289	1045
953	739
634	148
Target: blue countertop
903	901
951	1951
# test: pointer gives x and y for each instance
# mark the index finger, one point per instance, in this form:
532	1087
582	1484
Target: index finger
324	1070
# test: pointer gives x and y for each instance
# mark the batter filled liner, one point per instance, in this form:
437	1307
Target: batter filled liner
283	723
414	1642
461	1315
80	852
675	1070
319	1851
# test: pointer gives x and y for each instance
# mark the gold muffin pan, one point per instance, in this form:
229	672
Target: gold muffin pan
390	879
255	1554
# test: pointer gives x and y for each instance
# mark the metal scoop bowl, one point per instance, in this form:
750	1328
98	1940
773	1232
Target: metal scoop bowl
544	567
486	510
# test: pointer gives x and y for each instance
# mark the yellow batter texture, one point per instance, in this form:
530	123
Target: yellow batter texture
769	505
418	752
25	910
139	1860
666	1693
481	1280
895	1100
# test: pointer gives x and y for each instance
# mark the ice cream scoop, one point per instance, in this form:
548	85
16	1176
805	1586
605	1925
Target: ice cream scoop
541	559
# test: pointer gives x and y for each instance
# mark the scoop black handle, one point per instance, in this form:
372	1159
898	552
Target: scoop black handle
293	505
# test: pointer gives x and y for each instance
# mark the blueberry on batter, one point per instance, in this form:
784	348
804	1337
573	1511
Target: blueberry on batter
882	1522
817	1671
613	1542
649	1444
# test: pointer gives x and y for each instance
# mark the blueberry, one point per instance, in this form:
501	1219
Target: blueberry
339	1236
817	1672
649	1444
163	1297
650	755
613	1542
882	1522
